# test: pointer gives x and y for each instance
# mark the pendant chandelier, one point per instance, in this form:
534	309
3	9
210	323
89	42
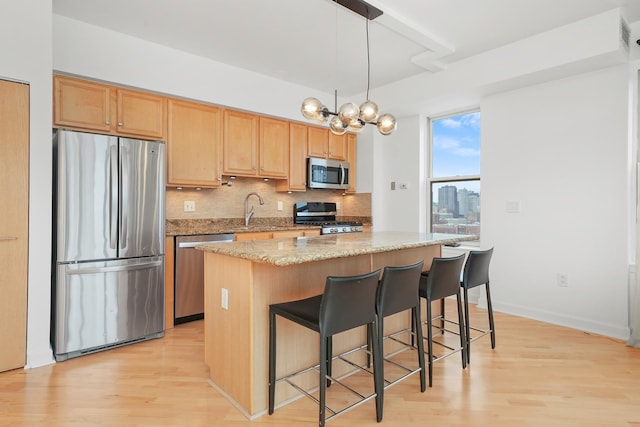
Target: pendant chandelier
350	117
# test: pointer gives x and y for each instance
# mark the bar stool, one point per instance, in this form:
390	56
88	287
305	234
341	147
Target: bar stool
397	292
476	273
441	281
347	302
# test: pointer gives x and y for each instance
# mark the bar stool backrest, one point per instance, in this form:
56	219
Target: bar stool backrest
444	277
476	270
348	302
398	289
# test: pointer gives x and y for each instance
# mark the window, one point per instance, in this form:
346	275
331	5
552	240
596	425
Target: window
455	174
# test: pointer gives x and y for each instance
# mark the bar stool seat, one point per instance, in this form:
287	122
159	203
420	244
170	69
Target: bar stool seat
347	302
442	281
476	273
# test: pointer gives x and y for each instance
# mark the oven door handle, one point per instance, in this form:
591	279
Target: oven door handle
341	174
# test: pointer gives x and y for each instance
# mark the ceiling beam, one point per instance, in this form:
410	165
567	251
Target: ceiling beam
361	7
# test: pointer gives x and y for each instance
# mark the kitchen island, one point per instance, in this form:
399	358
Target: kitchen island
243	278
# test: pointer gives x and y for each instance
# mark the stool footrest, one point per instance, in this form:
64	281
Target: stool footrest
308	393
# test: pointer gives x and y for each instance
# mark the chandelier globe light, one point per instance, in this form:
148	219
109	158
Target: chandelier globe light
351	117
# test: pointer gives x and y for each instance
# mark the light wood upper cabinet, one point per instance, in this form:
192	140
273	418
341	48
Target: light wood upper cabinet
324	144
82	104
297	160
140	114
194	135
14	224
240	144
318	142
86	105
351	158
274	148
255	146
338	146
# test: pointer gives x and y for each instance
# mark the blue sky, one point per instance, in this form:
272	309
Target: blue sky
456	145
456	148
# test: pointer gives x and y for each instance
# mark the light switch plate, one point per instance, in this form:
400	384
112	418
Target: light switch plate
280	205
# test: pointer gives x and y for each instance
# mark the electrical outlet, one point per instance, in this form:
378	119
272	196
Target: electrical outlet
563	280
224	297
337	206
189	206
280	205
403	185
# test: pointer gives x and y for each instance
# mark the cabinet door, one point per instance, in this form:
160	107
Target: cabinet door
240	143
274	148
81	104
140	114
318	142
297	160
14	193
351	158
258	235
194	133
337	146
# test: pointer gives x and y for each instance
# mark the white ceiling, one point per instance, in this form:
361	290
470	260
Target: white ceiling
321	45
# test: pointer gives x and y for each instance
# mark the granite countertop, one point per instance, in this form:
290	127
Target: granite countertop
298	250
188	227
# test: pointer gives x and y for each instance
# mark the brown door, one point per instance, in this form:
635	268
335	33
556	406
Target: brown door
14	192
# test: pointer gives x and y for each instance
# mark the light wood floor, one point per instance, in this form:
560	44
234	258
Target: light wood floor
538	375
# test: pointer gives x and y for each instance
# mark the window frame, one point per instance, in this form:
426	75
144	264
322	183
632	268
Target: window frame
448	179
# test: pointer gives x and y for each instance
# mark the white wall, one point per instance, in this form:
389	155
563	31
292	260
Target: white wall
25	28
560	149
400	158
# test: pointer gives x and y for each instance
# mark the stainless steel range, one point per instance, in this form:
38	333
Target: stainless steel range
324	215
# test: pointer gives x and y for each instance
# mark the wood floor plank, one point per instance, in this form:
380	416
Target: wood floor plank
538	375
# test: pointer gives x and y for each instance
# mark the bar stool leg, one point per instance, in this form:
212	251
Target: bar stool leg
467	326
323	379
272	361
376	335
430	343
490	310
415	319
463	339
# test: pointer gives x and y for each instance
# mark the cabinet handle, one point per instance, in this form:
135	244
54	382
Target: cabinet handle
8	238
108	123
120	124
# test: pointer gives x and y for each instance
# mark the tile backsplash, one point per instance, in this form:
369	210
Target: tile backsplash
228	202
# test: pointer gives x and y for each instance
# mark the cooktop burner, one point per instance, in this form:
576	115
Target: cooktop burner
323	214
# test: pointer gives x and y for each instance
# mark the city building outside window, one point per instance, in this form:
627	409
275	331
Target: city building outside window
454	178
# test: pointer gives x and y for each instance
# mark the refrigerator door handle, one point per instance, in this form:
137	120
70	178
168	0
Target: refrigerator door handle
113	198
96	270
124	195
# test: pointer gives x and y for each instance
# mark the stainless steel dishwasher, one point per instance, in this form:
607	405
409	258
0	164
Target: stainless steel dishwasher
189	276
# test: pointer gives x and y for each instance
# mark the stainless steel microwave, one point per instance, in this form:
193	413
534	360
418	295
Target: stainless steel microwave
326	173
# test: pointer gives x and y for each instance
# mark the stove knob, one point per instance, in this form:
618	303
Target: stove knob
345	229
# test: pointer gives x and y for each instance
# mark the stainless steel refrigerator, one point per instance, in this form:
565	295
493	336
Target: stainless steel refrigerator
108	246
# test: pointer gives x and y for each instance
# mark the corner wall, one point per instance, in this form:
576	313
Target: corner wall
561	149
25	28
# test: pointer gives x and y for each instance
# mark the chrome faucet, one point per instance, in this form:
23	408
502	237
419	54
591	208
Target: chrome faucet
249	213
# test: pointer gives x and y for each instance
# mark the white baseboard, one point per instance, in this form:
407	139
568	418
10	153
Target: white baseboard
573	322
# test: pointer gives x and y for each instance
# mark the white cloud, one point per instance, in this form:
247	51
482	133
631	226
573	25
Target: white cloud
451	123
455	147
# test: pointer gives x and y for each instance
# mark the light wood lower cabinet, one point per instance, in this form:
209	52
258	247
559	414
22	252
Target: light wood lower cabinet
14	193
284	234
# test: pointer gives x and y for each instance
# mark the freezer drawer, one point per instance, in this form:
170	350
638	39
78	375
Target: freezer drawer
109	303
